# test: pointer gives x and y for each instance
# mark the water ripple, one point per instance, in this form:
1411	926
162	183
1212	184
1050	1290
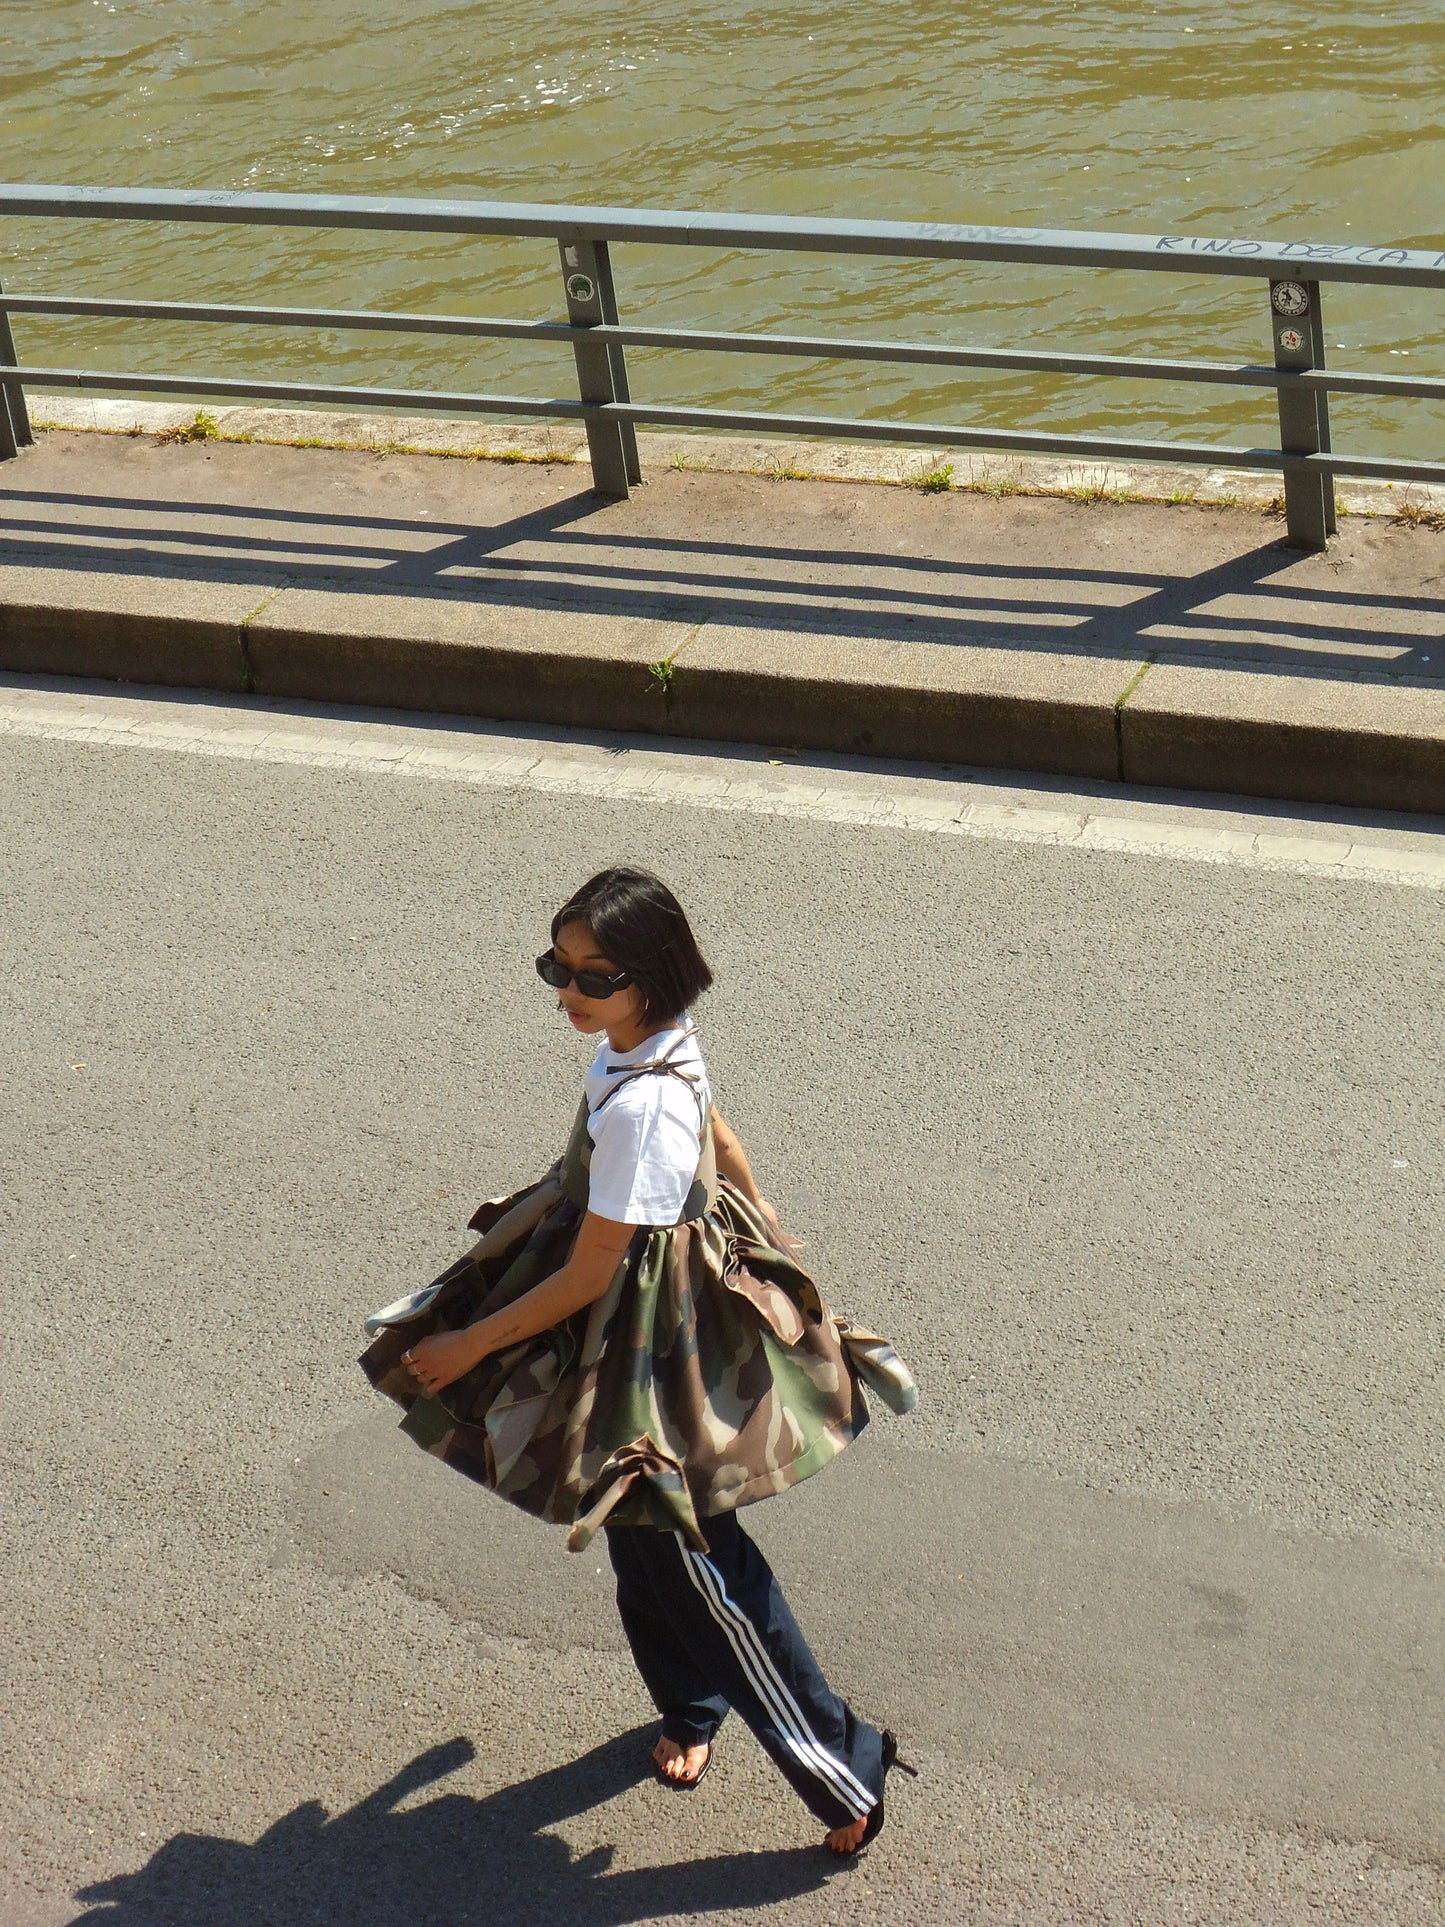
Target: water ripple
1316	121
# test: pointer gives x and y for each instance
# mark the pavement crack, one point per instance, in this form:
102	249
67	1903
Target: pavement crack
248	679
663	669
1119	702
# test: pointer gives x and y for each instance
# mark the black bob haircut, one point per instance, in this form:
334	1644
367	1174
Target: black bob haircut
638	924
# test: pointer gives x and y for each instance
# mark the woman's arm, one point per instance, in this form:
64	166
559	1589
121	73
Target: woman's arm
731	1158
733	1164
444	1357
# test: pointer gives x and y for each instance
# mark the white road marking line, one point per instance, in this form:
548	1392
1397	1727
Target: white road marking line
935	805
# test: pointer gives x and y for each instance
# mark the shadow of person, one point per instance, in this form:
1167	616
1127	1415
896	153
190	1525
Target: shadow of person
451	1861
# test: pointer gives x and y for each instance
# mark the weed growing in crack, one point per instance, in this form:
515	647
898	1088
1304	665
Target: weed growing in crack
1090	493
204	428
662	674
989	484
935	481
1417	515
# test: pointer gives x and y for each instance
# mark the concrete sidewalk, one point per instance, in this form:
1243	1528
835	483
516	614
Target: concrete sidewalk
1173	645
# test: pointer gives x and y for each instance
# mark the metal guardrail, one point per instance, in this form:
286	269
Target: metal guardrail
1293	272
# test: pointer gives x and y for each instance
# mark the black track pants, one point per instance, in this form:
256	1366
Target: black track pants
713	1630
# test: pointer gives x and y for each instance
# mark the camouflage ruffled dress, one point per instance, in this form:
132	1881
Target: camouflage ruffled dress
711	1372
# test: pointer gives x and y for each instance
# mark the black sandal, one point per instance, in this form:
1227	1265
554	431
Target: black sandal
671	1780
876	1815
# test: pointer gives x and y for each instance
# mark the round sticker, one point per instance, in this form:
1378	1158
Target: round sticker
581	287
1290	297
1292	339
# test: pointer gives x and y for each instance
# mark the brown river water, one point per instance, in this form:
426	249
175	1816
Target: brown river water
1317	120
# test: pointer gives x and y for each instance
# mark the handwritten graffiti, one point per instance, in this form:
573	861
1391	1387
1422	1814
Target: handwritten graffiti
1301	251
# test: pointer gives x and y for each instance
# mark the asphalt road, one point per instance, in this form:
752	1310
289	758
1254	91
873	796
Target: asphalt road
1135	1156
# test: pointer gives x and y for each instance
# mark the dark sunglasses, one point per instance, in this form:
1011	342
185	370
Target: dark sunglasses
591	983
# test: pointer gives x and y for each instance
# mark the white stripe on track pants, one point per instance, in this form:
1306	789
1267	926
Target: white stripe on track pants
713	1630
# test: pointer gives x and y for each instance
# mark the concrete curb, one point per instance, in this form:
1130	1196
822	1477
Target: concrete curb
652	648
1358	738
129	628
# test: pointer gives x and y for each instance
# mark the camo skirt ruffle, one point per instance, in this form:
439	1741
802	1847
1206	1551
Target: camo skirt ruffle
710	1374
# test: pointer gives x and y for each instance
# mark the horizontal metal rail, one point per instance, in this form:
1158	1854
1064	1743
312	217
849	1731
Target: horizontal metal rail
833	427
921	240
1293	274
807	347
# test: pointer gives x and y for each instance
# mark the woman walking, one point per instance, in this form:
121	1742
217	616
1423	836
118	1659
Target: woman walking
632	1346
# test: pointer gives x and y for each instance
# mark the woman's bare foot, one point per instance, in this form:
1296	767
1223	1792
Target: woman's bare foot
847	1839
683	1764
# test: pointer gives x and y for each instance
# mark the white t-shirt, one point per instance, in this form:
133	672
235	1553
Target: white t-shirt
646	1140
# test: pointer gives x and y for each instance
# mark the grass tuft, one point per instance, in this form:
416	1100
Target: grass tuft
988	484
204	428
1090	493
662	674
935	481
1417	515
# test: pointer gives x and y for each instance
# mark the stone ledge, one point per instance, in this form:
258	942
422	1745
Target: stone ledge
172	629
1354	737
1000	708
458	655
904	465
1351	738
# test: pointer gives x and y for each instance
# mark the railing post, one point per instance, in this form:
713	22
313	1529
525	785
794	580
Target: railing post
617	357
1304	420
587	278
14	416
1322	406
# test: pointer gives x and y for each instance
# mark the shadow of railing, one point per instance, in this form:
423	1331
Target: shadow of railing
548	557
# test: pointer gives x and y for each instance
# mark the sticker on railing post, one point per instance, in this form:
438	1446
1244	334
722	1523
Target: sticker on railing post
1289	297
582	288
1291	339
